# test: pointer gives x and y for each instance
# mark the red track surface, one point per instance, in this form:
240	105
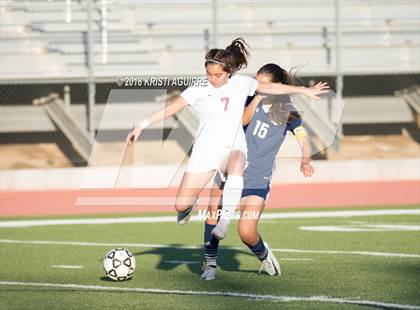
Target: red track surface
26	203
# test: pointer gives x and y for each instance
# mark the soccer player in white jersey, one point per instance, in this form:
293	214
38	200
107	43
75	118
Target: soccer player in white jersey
220	141
267	119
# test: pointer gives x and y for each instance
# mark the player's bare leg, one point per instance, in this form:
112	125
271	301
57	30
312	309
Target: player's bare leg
247	226
187	197
252	207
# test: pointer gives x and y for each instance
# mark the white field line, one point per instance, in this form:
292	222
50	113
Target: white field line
165	246
362	228
187	262
295	259
197	218
66	266
256	297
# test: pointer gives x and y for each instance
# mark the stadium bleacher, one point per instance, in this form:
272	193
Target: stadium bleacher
143	38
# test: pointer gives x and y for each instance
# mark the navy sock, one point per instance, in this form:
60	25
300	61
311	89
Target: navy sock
211	246
259	249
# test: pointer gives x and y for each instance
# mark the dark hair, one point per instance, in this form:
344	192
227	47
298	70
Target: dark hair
233	58
277	74
281	111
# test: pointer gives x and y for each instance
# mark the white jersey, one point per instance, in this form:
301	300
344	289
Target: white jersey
220	112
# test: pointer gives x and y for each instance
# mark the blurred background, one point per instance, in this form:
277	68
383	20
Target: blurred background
61	61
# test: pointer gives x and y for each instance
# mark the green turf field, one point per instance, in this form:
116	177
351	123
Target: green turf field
321	269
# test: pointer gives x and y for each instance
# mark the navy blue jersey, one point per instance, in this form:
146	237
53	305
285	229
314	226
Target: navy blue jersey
264	139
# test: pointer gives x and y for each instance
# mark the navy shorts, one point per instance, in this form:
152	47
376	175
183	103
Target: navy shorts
260	192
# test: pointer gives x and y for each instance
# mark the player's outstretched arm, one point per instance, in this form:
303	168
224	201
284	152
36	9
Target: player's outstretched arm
305	166
282	89
177	105
250	110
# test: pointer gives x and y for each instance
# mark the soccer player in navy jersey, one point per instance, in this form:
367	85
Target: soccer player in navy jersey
267	120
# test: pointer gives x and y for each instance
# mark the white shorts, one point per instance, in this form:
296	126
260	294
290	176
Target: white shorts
210	156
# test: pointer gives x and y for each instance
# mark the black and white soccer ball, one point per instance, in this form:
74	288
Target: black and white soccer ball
119	264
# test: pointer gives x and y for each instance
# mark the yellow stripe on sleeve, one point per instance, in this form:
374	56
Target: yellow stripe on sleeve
300	132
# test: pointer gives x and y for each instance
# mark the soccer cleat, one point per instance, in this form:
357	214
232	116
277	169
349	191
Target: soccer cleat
270	264
220	230
184	216
209	272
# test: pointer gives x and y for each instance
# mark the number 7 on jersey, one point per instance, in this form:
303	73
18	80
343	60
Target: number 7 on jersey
225	100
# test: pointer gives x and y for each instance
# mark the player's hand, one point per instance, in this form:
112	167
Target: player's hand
318	89
133	135
307	169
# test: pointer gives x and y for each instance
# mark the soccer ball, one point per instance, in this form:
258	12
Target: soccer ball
119	264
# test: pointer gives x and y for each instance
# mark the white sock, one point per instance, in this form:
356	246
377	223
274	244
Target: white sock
231	197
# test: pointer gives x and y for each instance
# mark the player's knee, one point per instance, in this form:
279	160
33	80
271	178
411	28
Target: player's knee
237	168
236	163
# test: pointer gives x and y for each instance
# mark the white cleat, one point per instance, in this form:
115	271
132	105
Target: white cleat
270	265
209	273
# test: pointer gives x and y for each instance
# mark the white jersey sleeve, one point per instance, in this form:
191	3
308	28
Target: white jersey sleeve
252	84
192	94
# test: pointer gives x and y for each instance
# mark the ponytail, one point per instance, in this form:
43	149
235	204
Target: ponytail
233	58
